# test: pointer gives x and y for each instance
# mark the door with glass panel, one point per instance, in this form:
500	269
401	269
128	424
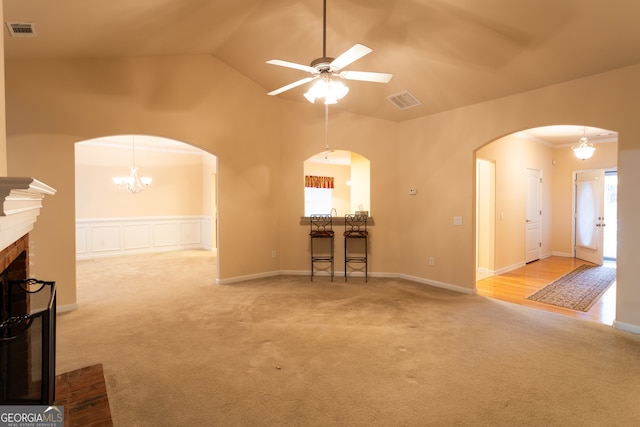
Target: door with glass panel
589	216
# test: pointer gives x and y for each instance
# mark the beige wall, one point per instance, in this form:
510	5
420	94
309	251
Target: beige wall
193	99
371	138
177	188
3	117
261	143
360	184
439	149
485	216
52	241
513	155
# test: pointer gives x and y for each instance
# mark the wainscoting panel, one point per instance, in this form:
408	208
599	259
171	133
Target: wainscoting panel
105	238
97	238
165	234
137	236
190	233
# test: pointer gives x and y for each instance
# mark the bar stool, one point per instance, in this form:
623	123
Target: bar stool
321	230
355	230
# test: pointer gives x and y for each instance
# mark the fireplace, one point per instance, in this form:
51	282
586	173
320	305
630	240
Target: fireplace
27	305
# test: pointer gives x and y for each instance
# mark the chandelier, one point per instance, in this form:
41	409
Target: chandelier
133	183
330	89
584	150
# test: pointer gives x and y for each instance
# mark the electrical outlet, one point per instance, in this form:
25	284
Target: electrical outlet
432	261
274	254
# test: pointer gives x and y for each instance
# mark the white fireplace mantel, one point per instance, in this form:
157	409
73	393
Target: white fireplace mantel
21	199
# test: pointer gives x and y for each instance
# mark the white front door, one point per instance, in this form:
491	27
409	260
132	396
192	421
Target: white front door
589	216
534	213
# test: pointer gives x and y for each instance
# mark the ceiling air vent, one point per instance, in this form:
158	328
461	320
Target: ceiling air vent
21	29
403	100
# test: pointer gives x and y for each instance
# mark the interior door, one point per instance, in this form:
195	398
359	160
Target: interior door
534	212
589	216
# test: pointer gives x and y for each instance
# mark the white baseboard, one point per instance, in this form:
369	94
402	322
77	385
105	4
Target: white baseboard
483	273
247	277
434	283
66	308
509	268
626	327
562	254
438	284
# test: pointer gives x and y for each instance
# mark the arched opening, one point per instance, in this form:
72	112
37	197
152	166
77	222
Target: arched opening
525	210
178	210
336	182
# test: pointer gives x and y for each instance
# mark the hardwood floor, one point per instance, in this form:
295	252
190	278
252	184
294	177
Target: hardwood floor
517	284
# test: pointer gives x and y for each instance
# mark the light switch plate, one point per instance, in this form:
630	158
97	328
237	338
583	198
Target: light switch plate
457	220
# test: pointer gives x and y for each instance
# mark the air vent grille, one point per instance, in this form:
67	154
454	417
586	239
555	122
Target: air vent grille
21	29
404	100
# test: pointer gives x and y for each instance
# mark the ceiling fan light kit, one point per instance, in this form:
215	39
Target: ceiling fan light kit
329	72
329	89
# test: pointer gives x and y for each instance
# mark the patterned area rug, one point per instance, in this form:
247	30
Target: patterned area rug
578	289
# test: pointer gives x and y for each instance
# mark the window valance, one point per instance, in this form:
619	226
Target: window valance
318	181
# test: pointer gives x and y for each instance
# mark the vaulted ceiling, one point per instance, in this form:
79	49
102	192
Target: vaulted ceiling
447	53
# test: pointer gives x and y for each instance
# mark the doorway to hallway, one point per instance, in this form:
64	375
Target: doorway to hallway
502	243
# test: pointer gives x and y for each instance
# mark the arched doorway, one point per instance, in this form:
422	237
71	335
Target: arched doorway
502	195
178	210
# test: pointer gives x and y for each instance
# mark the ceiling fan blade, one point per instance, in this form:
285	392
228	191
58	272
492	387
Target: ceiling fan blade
292	85
288	64
350	56
366	76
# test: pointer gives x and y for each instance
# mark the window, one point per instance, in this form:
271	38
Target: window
349	172
317	201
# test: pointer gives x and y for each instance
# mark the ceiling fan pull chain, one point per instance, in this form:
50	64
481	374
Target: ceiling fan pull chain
326	131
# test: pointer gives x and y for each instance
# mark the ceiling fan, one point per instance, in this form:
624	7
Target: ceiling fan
324	68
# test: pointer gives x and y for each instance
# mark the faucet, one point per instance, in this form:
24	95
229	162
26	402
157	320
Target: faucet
334	210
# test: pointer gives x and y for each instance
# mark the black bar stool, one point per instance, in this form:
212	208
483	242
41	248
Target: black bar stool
321	230
355	230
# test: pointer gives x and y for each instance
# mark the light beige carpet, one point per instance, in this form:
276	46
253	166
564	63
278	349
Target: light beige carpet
178	350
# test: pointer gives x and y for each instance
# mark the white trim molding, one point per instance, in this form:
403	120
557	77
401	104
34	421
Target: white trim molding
626	327
340	275
106	237
21	204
